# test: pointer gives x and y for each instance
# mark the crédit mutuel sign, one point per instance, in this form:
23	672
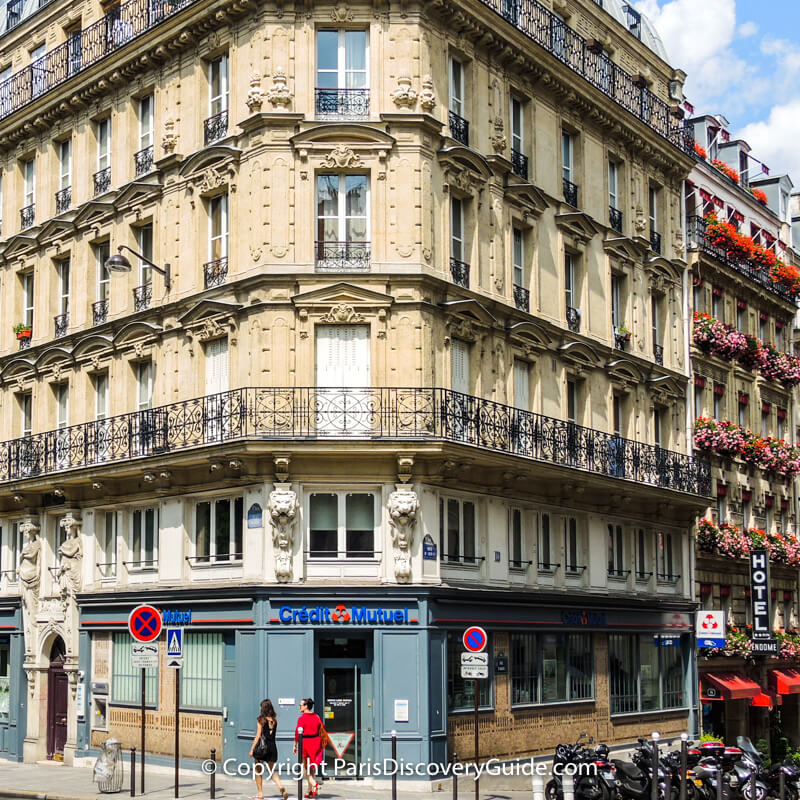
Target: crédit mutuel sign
762	641
345	615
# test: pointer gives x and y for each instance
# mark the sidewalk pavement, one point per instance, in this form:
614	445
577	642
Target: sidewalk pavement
59	782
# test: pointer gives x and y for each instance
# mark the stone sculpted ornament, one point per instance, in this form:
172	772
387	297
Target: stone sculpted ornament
279	94
70	558
283	512
403	508
29	578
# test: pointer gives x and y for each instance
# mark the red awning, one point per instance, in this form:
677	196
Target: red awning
707	196
763	700
733	685
785	681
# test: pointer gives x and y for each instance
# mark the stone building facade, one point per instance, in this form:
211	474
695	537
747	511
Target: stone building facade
402	330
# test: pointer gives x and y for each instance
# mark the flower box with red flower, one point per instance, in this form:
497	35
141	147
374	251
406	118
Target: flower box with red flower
729	172
700	150
759	195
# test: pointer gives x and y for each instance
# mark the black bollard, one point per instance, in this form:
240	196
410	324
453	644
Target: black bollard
719	783
133	772
213	787
300	762
654	771
781	786
455	777
394	765
753	795
684	766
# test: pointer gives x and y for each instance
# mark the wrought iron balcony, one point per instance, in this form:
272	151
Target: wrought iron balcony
61	324
459	128
102	181
215	128
27	216
342	256
143	161
621	338
519	164
522	298
215	272
698	241
658	354
100	312
142	297
459	271
25	343
342	103
615	219
573	319
570	193
655	241
63	200
374	414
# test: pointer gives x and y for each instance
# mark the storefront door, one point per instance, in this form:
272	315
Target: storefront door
56	702
344	680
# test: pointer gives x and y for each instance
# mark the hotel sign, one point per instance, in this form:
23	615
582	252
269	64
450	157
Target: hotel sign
763	641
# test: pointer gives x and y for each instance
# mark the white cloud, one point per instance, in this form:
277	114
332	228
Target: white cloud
748	29
774	140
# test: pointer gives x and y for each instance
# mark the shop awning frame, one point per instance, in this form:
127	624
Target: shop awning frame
784	681
733	685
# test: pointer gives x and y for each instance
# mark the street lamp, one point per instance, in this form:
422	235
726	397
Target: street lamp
118	263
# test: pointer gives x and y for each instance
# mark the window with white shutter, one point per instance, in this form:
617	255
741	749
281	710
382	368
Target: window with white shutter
522	384
459	352
217	366
343	356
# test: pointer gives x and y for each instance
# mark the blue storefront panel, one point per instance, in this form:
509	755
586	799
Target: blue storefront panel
13	693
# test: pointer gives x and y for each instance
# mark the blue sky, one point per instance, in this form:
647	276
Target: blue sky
742	58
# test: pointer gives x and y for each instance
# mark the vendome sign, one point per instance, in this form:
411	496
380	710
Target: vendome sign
760	595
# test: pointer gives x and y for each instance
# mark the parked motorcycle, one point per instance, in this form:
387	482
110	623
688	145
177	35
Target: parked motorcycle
634	778
597	784
771	775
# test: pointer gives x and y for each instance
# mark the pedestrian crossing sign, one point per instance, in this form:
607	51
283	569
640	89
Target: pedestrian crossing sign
174	642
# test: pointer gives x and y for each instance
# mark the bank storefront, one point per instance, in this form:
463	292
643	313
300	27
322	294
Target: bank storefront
13	685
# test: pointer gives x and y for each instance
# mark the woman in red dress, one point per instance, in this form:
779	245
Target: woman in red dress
312	743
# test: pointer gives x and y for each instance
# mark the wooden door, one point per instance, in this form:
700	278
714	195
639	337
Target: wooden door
57	687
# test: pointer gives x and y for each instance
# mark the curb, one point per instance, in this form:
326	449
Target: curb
29	795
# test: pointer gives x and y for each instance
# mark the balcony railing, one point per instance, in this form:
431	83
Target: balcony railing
522	298
615	219
100	312
25	343
542	26
392	414
519	164
459	128
61	323
215	128
459	272
573	319
697	240
63	200
102	181
215	272
27	215
342	256
570	193
655	241
143	161
342	103
658	354
142	297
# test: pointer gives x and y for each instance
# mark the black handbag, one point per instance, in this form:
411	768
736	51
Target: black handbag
260	751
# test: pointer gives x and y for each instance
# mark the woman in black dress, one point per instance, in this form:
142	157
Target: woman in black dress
264	749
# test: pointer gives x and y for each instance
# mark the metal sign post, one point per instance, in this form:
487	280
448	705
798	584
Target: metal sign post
141	745
475	665
175	661
177	724
477	749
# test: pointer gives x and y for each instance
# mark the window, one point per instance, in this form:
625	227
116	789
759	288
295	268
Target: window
144	240
144	385
62	405
461	691
654	315
717	306
218	227
665	557
63	286
551	668
107	543
218	85
103	144
517	120
642	563
644	677
342	525
616	552
101	395
457	530
144	538
779	428
698	401
764	419
457	87
518	257
613	184
515	538
342	58
146	105
342	210
657	440
616	291
544	545
29	175
741	316
26	413
102	252
126	681
571	545
65	164
653	209
745	513
763	327
616	414
698	299
27	299
718	395
10	537
39	70
201	676
218	530
5	680
567	156
216	366
457	228
459	353
570	288
522	384
572	402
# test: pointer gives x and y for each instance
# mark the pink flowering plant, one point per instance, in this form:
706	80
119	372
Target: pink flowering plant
788	645
738	642
720	436
728	541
